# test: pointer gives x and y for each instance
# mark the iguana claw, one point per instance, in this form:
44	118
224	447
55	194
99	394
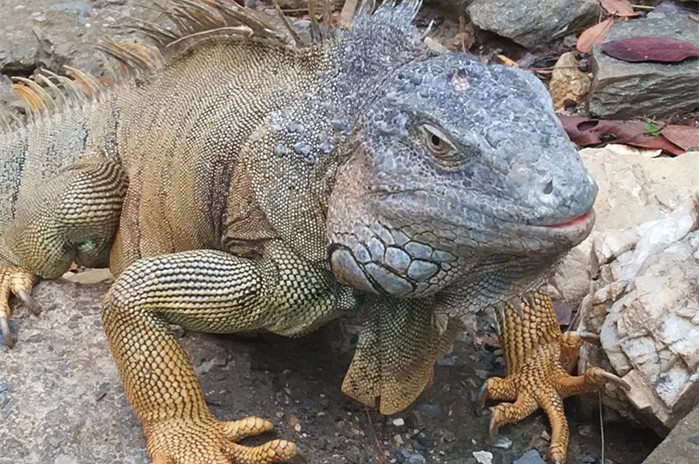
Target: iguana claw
6	335
17	282
207	441
538	358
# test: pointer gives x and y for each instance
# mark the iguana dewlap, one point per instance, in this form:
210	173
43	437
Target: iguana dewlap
232	182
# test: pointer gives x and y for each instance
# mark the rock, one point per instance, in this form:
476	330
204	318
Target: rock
644	299
622	90
398	422
530	457
568	84
632	190
533	22
651	332
416	459
483	457
682	445
503	442
52	33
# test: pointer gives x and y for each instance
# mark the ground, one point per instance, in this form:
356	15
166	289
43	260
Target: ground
61	400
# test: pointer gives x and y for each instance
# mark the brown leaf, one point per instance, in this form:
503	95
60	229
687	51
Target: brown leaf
586	132
655	143
620	8
660	49
685	137
593	35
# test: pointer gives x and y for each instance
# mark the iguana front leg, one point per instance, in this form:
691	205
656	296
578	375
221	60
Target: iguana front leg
72	218
539	358
208	291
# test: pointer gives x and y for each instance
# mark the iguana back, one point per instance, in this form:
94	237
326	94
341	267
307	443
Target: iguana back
185	139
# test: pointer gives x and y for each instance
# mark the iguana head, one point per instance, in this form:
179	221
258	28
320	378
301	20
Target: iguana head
455	163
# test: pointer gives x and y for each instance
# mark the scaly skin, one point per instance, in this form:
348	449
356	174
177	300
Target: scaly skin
241	183
539	358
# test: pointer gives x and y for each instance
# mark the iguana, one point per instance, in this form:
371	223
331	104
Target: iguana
234	180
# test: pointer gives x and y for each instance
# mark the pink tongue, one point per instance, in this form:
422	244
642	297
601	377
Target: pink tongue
573	222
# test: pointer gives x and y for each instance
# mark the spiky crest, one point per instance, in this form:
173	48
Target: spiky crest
193	20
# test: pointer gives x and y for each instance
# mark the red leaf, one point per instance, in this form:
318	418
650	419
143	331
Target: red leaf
661	49
593	35
654	143
685	137
587	132
620	8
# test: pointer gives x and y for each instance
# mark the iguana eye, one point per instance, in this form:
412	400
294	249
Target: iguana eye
437	142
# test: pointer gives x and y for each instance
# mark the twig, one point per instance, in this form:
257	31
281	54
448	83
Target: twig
376	437
601	425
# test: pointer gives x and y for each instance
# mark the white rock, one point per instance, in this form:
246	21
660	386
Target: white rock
644	299
483	457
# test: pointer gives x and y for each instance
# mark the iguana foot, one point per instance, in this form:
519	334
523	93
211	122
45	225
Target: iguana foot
539	358
208	441
18	282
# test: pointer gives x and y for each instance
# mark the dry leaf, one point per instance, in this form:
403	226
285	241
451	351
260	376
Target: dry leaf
508	61
660	49
586	132
685	137
593	35
620	8
90	276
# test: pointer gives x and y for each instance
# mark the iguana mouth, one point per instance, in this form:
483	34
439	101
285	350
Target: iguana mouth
581	221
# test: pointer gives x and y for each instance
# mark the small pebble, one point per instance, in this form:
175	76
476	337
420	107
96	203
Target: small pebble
55	442
530	457
416	459
586	430
398	422
503	442
483	457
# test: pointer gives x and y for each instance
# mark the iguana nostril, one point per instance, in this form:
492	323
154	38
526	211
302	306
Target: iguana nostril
548	188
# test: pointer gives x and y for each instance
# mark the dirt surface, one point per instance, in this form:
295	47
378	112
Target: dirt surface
61	400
